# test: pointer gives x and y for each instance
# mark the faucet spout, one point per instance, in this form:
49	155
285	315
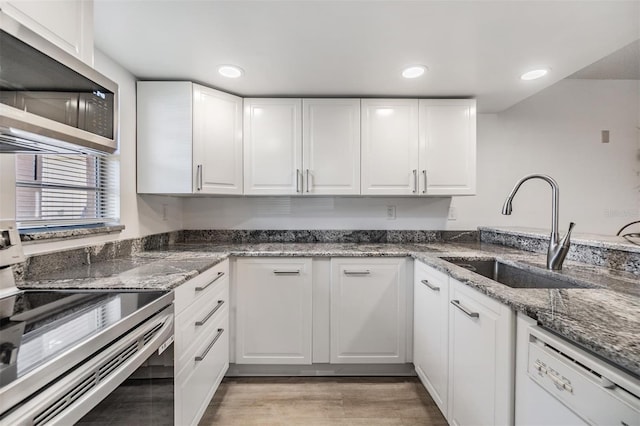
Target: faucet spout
557	249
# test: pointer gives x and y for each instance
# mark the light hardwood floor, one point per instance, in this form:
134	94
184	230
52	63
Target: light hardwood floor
312	401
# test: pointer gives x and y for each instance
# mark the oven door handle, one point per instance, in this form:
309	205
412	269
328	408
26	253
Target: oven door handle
76	393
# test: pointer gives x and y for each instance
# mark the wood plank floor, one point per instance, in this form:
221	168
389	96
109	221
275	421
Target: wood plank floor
312	401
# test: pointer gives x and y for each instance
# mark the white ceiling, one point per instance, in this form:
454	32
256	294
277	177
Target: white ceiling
359	47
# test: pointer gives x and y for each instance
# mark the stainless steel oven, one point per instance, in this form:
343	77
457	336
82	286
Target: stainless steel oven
64	352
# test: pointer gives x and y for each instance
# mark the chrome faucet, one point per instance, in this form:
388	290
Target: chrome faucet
557	249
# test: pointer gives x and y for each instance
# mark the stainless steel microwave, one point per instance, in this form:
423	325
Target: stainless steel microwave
51	101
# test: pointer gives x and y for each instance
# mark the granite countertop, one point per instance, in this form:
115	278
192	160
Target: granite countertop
603	319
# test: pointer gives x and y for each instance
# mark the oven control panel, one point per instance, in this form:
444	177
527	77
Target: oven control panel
10	245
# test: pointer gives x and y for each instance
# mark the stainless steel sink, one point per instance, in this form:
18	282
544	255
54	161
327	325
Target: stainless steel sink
514	276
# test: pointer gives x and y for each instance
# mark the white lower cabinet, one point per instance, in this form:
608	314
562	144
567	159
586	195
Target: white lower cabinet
368	310
481	358
273	311
431	331
201	348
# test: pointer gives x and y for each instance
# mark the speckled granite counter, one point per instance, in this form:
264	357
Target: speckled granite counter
153	270
604	319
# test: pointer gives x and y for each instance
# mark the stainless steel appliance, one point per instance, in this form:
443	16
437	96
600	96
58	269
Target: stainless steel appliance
62	352
51	101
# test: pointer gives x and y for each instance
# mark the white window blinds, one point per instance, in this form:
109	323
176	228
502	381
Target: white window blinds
66	190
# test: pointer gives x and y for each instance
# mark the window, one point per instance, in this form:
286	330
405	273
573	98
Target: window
66	190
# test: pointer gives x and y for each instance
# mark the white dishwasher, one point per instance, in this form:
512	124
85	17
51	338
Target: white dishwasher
558	383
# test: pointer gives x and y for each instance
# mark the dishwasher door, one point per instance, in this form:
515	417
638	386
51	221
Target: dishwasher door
564	385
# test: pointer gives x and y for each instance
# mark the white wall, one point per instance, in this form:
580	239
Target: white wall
556	132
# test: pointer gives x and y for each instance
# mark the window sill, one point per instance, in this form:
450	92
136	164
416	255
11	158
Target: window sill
28	236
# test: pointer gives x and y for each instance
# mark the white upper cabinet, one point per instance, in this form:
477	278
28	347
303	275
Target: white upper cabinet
425	147
390	147
273	146
331	146
303	147
217	136
66	23
189	139
447	146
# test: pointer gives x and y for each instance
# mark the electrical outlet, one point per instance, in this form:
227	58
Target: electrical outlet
391	212
453	213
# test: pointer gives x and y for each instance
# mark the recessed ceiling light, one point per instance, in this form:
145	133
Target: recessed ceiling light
533	74
414	71
230	71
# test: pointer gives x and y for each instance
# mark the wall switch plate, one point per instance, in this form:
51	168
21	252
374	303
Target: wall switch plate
453	213
391	212
605	136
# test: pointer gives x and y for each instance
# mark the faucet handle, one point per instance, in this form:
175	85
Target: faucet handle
566	240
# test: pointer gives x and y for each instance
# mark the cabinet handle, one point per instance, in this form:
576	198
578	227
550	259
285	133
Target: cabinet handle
366	272
199	177
279	272
307	180
210	314
431	286
457	304
213	342
298	174
204	287
424	174
415	181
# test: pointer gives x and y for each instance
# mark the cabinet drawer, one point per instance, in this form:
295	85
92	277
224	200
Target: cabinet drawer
201	285
192	325
199	379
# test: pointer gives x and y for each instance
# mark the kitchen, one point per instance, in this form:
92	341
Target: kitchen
552	125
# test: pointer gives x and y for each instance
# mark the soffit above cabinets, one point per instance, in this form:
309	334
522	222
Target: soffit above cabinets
358	48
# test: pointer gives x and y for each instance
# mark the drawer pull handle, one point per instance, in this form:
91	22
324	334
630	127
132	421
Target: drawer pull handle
457	304
366	272
279	272
220	274
431	286
210	314
213	342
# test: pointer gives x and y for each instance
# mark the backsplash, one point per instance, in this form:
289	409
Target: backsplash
39	266
603	252
327	236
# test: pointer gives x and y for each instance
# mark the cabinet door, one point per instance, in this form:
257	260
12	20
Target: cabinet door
272	146
164	137
331	146
431	331
273	323
481	347
368	321
390	146
448	146
217	142
66	23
